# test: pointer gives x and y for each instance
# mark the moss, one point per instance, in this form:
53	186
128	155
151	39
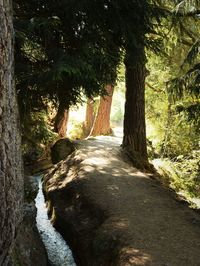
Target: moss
15	257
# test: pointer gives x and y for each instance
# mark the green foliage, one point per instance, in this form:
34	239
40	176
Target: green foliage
68	48
185	85
173	113
60	54
77	130
157	100
182	138
175	110
37	135
191	112
182	174
69	54
166	122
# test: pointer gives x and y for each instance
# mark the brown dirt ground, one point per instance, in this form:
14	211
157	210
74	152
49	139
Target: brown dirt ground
113	214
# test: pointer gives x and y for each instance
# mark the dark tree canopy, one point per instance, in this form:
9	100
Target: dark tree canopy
63	52
66	48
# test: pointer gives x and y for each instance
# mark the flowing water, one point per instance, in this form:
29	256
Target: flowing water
59	253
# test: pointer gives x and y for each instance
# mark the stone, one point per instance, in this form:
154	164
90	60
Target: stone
28	249
61	150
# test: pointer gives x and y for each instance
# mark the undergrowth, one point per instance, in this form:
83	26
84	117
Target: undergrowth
182	173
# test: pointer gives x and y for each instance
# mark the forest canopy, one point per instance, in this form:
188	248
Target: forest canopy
67	52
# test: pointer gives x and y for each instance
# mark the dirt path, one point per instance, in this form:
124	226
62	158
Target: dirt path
112	214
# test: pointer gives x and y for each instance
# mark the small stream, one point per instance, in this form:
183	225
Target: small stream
59	253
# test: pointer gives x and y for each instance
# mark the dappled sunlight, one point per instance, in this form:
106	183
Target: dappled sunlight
159	163
100	152
119	223
97	161
102	166
118	132
101	160
113	187
138	211
76	115
133	256
116	140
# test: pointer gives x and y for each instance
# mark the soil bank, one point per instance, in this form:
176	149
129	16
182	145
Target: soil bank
113	214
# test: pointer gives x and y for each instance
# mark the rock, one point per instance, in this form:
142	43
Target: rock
61	149
29	249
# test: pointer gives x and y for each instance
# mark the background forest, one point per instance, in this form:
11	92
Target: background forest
66	54
124	78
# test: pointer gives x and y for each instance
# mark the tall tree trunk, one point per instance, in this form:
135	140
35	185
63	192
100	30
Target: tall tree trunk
102	121
61	120
11	178
134	140
89	118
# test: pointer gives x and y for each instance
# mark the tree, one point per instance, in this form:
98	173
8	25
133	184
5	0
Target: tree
129	22
11	185
61	119
101	124
134	15
134	139
148	18
80	46
60	55
89	118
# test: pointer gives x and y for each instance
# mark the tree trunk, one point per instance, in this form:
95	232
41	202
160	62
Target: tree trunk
61	120
11	178
102	121
89	118
134	140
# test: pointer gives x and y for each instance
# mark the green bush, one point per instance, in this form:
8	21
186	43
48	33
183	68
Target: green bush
77	130
182	174
36	135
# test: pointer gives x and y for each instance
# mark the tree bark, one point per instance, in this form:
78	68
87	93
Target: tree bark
11	178
89	118
102	121
134	139
61	120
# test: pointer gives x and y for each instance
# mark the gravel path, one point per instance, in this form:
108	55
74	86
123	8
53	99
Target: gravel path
143	222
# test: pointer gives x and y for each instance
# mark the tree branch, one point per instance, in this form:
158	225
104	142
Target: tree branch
153	88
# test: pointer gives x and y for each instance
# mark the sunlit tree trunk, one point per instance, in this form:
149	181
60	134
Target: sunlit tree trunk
134	140
11	178
90	116
102	121
61	120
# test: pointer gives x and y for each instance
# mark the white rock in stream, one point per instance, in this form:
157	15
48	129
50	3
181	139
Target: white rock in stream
59	253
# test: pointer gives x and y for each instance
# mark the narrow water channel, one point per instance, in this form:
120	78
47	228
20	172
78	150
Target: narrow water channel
59	253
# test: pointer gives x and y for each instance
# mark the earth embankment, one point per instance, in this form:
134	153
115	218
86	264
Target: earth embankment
113	214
